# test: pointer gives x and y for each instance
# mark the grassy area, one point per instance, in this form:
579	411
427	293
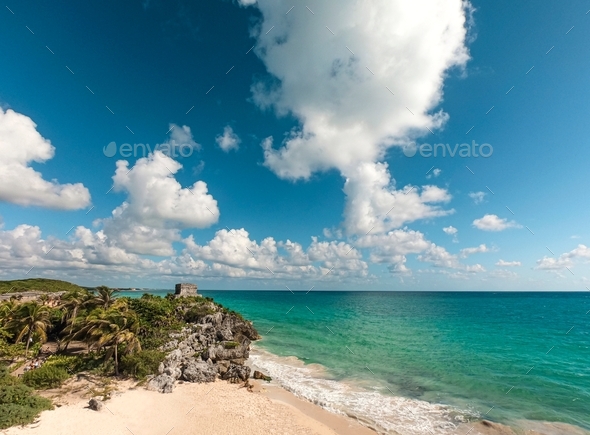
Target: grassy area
38	284
18	403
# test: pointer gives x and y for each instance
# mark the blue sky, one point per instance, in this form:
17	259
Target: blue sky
312	206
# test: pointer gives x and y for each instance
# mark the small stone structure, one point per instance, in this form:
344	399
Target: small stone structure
185	289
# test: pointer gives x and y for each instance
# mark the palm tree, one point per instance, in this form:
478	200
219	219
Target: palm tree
7	310
71	304
111	328
106	297
29	319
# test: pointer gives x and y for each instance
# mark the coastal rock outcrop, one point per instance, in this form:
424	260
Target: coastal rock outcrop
198	371
95	404
218	344
260	375
236	373
162	383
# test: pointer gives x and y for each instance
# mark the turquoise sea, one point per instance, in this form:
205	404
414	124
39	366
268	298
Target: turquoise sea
422	361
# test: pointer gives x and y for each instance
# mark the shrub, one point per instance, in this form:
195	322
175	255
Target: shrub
10	351
18	403
230	344
194	314
69	363
142	364
46	376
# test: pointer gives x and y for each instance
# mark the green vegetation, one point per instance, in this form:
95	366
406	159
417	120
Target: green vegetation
231	344
45	377
112	335
158	316
142	364
112	328
18	403
28	320
36	284
71	363
196	312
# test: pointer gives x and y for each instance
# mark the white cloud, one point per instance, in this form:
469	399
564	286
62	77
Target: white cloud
20	145
348	117
440	257
179	138
491	222
347	113
564	260
228	140
477	250
23	248
450	230
393	247
157	206
229	254
477	197
199	168
435	173
374	204
247	2
503	263
234	252
155	197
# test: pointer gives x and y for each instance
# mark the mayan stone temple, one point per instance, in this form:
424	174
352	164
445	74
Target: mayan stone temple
185	289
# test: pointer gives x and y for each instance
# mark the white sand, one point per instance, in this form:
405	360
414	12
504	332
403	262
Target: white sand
216	408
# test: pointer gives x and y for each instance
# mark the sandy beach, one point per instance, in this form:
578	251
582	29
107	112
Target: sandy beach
216	408
213	408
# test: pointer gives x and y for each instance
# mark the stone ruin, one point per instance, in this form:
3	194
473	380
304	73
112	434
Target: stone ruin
185	289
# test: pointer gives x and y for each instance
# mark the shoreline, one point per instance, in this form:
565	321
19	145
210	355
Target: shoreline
220	407
412	423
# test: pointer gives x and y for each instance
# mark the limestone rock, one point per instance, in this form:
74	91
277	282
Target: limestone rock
95	404
236	373
225	334
199	372
218	344
161	383
260	375
222	367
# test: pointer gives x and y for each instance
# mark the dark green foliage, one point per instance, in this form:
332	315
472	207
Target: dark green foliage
18	403
36	284
231	344
46	376
9	351
157	318
70	363
160	316
194	314
142	364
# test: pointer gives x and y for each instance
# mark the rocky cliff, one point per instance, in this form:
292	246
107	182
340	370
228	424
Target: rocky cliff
217	345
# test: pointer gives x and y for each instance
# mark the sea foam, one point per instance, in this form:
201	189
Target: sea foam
387	414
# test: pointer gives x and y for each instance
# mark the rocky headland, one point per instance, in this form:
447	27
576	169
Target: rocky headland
216	345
